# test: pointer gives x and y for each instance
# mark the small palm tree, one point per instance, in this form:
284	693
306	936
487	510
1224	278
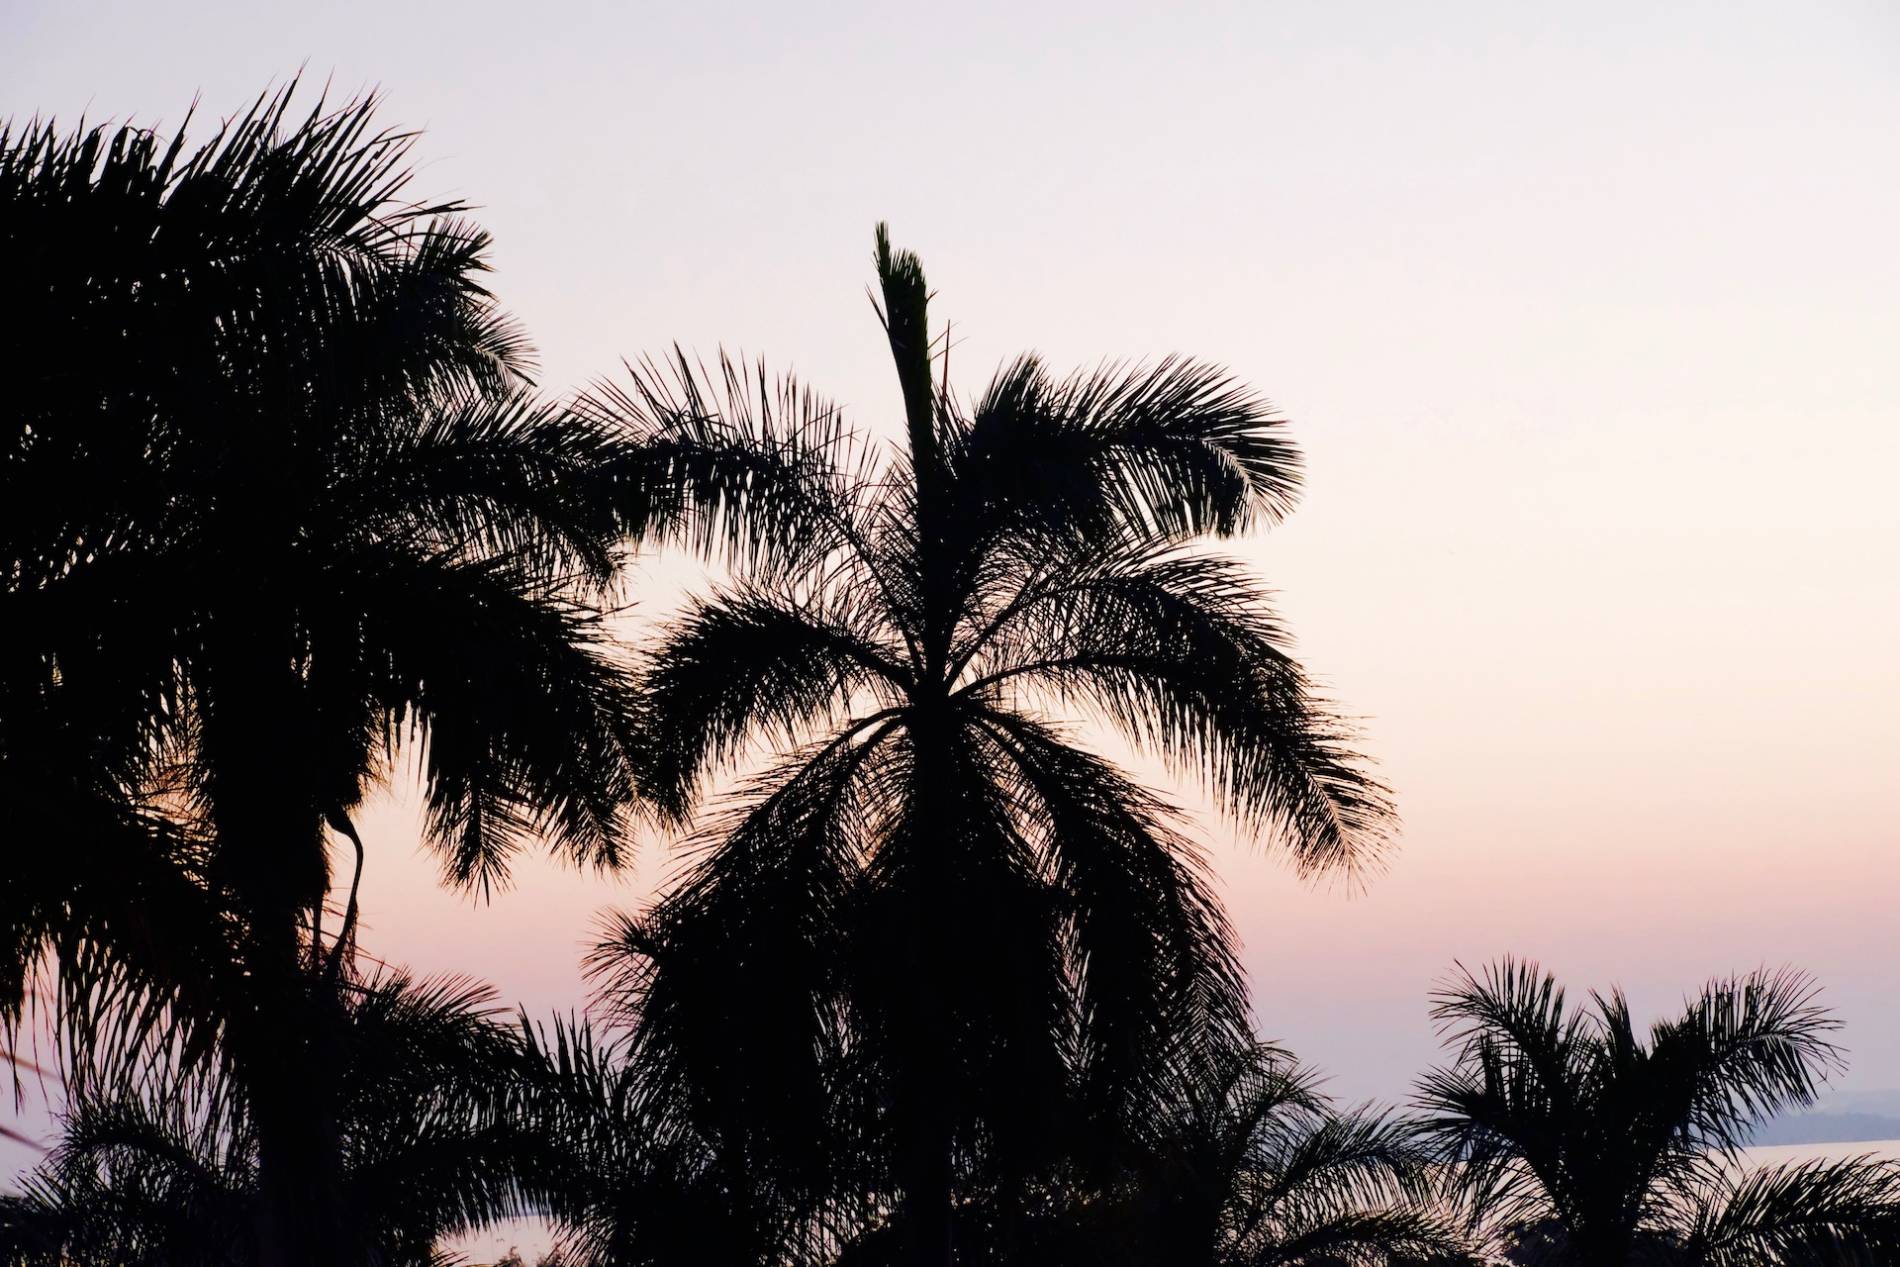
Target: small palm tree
626	1183
1255	1167
168	1172
1589	1144
1251	1165
1248	1166
939	897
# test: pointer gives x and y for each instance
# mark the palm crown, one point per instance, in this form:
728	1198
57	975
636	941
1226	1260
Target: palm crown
319	458
1592	1144
166	1171
1256	1167
276	504
935	883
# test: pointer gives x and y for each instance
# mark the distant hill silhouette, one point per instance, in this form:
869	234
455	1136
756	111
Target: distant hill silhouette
1844	1117
1828	1128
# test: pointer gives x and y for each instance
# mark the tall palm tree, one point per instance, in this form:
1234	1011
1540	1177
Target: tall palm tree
936	888
1591	1144
274	503
166	1173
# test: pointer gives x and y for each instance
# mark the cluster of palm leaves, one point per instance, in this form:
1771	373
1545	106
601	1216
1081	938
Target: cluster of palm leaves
282	513
166	1170
278	503
1583	1141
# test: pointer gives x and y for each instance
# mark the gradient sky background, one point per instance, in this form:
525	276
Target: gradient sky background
1587	316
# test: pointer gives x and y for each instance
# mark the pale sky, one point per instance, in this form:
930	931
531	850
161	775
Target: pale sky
1587	316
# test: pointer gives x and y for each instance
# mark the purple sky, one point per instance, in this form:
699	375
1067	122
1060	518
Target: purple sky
1586	317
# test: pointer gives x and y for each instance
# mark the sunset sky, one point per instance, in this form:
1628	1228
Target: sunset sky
1587	318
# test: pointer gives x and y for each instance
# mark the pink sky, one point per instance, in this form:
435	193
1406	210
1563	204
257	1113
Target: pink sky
1586	318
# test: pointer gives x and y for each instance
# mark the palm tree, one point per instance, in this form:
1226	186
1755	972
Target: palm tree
626	1183
276	504
936	895
1249	1165
167	1173
1589	1144
1254	1167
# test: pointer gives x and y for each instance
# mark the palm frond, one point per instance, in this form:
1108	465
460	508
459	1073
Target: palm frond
1360	1159
753	664
168	1171
1810	1214
734	980
1504	1112
111	926
1514	1003
758	472
485	475
1182	654
526	715
1747	1048
1154	960
1174	450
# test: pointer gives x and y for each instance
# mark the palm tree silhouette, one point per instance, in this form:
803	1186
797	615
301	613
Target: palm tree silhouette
1248	1165
1589	1144
1254	1166
166	1171
939	890
278	503
626	1184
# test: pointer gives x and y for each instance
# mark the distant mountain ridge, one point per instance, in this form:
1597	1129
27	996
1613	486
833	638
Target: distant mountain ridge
1828	1128
1842	1117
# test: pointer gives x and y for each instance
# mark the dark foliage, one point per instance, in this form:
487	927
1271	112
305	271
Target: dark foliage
168	1175
933	905
1587	1143
274	502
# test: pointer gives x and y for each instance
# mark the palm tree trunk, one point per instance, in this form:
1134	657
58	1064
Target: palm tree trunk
930	1068
927	1159
292	1090
928	1195
930	1087
1611	1245
270	859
